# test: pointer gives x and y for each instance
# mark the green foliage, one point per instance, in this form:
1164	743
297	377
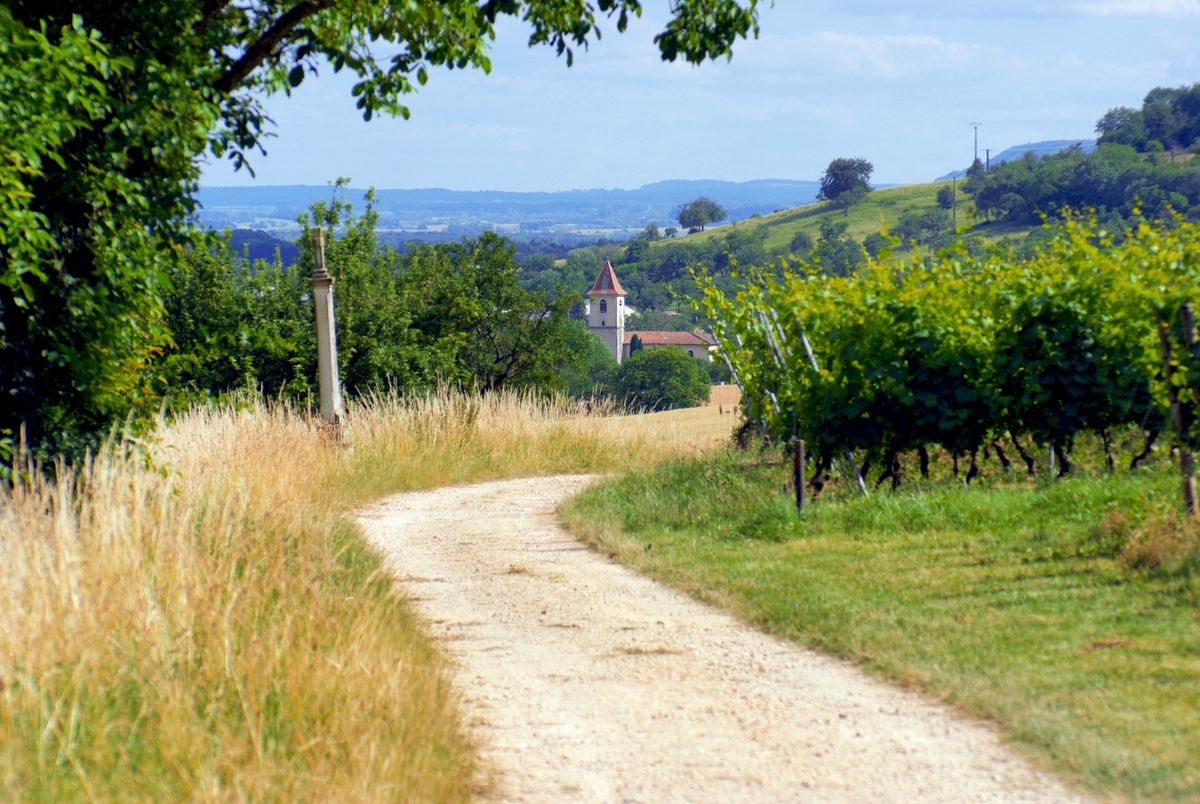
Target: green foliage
945	196
962	350
837	253
1113	177
802	244
95	168
924	228
1168	120
452	313
845	182
697	214
107	115
662	378
875	244
635	344
587	367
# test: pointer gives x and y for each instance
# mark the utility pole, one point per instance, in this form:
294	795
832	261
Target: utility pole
976	126
988	151
954	199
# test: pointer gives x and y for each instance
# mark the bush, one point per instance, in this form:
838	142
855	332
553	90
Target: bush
661	379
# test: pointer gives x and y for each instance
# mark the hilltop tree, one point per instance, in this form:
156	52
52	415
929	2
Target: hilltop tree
695	215
846	182
108	108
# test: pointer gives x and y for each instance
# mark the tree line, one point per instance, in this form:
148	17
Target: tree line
108	110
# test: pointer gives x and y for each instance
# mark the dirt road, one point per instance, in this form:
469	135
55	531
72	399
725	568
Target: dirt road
583	681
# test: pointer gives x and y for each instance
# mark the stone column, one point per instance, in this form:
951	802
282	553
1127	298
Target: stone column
327	358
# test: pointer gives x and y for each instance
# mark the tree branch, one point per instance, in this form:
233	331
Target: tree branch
257	53
209	11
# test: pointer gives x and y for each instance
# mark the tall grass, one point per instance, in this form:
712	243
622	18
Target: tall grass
197	619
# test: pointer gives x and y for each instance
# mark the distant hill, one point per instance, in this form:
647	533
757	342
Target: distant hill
881	208
1016	152
261	246
593	213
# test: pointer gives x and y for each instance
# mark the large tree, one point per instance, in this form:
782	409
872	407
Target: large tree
695	215
845	182
108	106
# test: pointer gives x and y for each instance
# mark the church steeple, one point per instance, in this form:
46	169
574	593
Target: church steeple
606	283
607	315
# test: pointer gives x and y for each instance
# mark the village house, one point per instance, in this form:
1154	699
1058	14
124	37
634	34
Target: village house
606	318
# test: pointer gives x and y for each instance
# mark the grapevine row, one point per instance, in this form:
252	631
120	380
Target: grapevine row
969	352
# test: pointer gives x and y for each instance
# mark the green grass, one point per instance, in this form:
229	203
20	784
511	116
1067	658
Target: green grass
881	207
1015	599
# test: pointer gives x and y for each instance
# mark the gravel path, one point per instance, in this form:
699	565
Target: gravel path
584	681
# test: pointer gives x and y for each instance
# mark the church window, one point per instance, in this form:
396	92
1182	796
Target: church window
604	305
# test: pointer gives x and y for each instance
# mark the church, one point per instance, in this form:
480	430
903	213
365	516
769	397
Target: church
606	318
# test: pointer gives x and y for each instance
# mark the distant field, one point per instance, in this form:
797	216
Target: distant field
880	209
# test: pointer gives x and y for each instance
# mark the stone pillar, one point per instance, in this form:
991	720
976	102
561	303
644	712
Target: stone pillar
327	358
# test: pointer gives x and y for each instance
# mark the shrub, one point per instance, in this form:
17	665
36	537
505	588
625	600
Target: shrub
661	379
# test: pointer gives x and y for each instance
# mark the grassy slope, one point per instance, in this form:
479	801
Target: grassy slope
1010	599
880	208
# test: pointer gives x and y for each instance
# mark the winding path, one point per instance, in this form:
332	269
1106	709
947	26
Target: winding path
584	681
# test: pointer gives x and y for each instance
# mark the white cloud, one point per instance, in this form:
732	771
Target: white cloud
1139	8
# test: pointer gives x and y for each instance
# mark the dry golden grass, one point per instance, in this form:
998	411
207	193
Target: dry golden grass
196	619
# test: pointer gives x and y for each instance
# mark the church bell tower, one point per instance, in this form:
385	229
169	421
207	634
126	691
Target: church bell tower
607	315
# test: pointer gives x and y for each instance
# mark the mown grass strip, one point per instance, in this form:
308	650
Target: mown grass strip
1037	605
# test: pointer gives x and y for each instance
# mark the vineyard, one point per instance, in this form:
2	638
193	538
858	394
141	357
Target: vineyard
1093	334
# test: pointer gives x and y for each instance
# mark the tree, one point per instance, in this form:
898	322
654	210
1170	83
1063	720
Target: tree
591	372
875	243
845	182
695	215
670	232
802	244
451	313
945	197
837	253
108	108
650	233
635	344
663	378
976	174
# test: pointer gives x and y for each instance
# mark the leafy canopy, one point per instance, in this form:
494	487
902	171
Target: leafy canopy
662	378
845	182
108	106
695	215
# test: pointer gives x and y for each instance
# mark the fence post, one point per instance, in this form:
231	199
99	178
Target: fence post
327	357
1186	459
798	472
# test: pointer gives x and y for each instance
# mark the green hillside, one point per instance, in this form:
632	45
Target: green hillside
880	209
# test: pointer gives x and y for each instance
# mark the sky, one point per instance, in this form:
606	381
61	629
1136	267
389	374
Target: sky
898	83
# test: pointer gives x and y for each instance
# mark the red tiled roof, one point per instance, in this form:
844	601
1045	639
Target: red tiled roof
668	338
606	283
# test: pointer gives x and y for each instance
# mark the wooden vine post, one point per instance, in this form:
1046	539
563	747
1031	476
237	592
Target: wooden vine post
798	472
1187	461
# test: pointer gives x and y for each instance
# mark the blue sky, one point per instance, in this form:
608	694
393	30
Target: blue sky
826	78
